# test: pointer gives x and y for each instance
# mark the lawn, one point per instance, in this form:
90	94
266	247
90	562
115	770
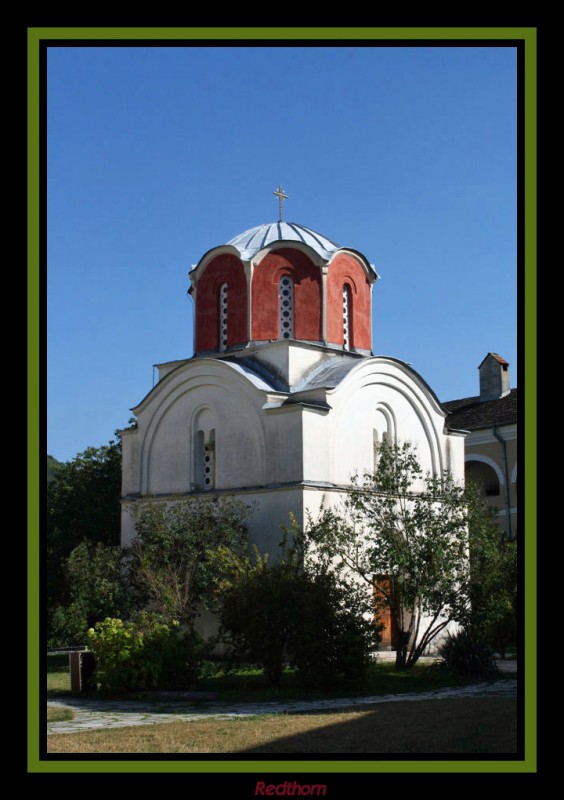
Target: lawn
249	685
461	726
58	714
58	675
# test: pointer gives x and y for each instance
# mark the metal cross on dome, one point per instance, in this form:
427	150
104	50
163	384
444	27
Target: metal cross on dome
281	197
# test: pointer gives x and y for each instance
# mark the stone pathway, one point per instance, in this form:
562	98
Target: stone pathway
93	714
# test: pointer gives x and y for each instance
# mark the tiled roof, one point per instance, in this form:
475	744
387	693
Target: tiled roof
469	414
497	357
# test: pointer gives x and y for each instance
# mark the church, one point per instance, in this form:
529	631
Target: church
283	400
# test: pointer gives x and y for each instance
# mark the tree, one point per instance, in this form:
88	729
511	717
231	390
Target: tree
493	577
82	505
297	613
173	561
93	573
258	611
413	529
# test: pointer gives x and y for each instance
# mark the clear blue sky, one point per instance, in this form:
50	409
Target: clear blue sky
157	154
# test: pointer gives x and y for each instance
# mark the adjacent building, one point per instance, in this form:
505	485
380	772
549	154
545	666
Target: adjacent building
491	442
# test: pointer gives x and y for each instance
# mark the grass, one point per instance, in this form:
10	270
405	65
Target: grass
248	684
470	726
58	675
59	714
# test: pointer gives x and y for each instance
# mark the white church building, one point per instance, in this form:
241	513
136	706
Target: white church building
282	401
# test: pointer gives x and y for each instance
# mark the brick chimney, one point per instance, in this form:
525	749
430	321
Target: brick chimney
494	377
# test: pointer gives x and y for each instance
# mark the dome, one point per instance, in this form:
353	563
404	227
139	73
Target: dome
250	242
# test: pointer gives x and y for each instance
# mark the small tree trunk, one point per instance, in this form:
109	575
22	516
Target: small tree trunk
401	652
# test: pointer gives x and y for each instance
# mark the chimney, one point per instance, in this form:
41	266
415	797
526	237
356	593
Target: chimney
494	377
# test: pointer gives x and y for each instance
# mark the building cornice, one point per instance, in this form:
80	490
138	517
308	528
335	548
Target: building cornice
485	435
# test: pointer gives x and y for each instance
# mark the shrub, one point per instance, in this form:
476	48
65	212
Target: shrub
173	564
68	626
144	653
93	575
331	640
466	654
280	613
258	614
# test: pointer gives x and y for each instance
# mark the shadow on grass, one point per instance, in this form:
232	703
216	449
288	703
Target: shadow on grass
424	728
473	726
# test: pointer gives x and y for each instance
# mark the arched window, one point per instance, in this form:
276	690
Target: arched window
223	317
286	307
347	316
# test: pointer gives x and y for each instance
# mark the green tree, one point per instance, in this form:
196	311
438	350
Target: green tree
305	616
173	561
258	612
82	505
493	577
93	573
412	528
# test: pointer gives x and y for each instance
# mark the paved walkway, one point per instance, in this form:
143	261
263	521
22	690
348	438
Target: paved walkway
94	714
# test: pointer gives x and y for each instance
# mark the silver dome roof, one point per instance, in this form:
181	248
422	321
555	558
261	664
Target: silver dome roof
250	242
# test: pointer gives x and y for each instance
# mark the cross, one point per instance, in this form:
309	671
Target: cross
281	197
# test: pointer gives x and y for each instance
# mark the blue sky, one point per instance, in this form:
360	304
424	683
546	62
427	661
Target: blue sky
157	154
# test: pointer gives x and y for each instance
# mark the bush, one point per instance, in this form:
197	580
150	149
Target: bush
173	563
68	626
466	654
258	614
279	613
93	575
144	654
332	641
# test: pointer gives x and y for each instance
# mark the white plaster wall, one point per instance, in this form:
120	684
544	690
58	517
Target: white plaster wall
284	444
377	391
167	417
130	440
127	525
301	359
272	510
291	359
275	354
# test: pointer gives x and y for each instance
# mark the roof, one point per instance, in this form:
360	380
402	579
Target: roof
328	374
250	242
471	414
497	357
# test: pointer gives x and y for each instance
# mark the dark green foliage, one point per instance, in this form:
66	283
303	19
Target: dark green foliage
493	572
82	505
174	563
283	613
258	614
93	574
466	654
332	639
144	654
